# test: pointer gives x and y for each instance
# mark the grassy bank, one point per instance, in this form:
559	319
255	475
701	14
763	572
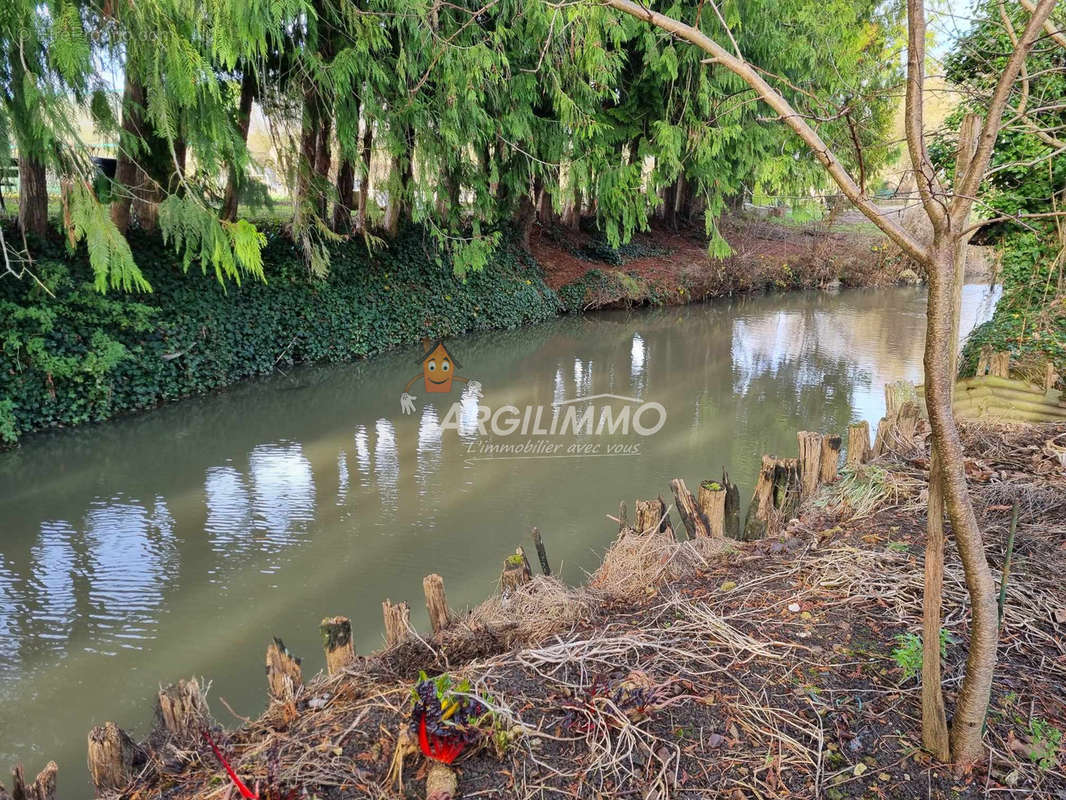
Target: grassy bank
69	355
706	668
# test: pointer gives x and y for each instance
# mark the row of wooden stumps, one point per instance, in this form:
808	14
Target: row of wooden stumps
114	758
782	483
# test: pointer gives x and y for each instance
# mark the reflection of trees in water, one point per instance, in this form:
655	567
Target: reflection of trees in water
387	465
107	580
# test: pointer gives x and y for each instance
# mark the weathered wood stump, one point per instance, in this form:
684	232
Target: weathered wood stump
999	365
181	711
112	758
830	458
397	622
711	501
897	394
42	788
1051	377
776	495
650	515
337	643
284	674
810	462
686	507
542	553
436	602
858	444
516	572
441	782
732	506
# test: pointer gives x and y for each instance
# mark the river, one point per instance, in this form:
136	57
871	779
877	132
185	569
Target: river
177	542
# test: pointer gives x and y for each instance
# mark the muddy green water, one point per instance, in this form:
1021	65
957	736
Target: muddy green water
177	542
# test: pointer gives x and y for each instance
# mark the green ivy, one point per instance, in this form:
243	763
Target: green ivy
76	356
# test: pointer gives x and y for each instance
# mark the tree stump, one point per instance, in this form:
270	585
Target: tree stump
897	394
441	782
284	674
181	711
42	788
983	359
542	554
858	444
1051	377
810	462
112	758
999	365
650	515
830	458
516	572
686	507
711	501
397	622
337	642
732	506
776	496
436	602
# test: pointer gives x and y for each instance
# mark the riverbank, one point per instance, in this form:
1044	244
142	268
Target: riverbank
78	356
705	667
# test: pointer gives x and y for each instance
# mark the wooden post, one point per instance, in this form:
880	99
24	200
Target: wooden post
896	394
776	495
830	458
810	462
284	674
516	572
984	358
1051	377
42	788
622	522
858	444
181	711
711	502
112	755
999	365
337	642
762	501
397	622
542	554
649	515
436	602
686	507
732	506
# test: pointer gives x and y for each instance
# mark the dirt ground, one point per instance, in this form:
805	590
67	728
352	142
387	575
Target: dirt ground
710	668
673	267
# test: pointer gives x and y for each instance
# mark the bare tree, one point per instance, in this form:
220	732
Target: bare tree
948	213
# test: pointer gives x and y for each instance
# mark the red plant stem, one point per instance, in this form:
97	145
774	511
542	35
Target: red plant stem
246	793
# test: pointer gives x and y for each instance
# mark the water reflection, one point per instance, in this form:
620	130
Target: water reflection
134	552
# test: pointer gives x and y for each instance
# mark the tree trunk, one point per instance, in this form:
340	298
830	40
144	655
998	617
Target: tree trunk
127	173
231	198
966	742
364	182
935	734
33	196
323	160
342	209
284	674
858	444
112	758
181	712
810	462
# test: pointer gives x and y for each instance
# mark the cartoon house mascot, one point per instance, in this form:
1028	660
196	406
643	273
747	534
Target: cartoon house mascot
438	372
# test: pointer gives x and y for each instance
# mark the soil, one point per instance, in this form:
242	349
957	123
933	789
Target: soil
674	267
773	669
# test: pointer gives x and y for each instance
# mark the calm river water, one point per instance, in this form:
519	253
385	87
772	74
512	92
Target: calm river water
177	542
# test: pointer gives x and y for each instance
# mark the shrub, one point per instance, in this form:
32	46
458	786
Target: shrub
80	356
